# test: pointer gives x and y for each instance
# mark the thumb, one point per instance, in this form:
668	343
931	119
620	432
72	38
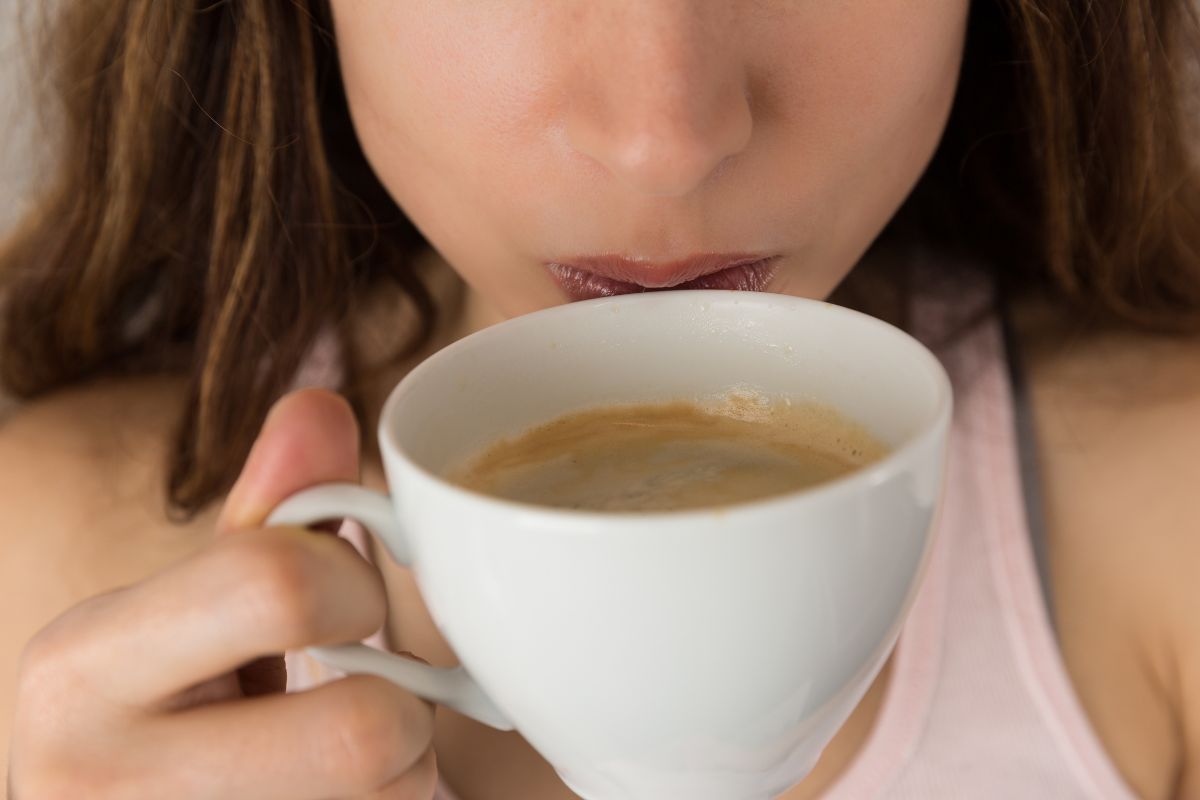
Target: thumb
309	437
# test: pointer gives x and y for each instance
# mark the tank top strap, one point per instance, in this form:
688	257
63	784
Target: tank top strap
979	704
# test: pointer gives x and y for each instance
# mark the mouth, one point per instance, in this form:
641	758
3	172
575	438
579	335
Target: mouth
605	276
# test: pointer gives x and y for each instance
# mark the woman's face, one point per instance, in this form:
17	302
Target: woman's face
521	133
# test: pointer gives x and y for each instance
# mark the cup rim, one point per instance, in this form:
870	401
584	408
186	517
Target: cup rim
874	473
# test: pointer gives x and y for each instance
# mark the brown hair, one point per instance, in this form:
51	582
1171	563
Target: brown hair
212	214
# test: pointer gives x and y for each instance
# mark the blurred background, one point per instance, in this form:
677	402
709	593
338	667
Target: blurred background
17	122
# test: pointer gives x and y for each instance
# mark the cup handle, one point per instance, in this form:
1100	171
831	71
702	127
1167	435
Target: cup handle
451	687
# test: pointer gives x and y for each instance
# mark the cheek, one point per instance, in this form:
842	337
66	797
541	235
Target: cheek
860	108
449	105
435	89
872	84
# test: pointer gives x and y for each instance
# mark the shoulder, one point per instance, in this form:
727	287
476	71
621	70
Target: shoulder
88	447
81	486
1118	429
1118	421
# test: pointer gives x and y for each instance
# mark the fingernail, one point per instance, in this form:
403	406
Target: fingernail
412	655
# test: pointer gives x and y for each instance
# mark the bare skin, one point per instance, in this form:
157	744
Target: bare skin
511	135
1118	420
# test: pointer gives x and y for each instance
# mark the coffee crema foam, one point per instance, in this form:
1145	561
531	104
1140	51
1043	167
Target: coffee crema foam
671	455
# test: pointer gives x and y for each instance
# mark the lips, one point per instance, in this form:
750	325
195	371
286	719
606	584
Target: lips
588	278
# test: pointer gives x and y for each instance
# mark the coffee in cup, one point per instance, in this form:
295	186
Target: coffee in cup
671	455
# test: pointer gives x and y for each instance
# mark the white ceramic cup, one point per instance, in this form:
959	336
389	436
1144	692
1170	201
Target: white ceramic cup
651	656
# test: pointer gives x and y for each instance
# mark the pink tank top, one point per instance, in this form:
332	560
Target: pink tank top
979	705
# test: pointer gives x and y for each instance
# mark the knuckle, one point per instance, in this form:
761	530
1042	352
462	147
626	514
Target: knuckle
41	674
277	579
365	744
47	649
418	783
49	656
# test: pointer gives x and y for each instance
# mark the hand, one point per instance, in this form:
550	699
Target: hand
172	687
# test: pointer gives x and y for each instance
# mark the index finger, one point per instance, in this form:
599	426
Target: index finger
247	597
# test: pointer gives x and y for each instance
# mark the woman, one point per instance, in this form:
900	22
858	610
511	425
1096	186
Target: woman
242	204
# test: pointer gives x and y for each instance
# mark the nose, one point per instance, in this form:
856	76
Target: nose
660	96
